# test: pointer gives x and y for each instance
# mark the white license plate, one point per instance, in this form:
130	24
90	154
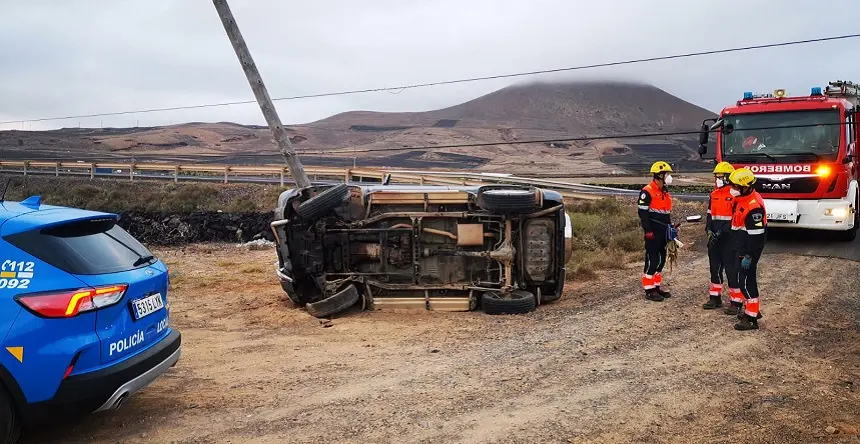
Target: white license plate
783	217
147	306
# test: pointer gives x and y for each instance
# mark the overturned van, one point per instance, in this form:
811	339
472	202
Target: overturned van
452	248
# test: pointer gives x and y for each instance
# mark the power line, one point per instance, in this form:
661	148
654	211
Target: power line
544	141
450	82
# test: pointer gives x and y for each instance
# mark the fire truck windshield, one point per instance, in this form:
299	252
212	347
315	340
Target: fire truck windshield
795	136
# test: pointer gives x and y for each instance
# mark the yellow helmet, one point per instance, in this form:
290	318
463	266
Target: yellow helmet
724	168
743	177
660	167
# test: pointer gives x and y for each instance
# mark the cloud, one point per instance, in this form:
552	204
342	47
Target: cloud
87	56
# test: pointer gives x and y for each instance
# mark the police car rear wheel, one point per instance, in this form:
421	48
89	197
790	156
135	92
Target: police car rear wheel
10	427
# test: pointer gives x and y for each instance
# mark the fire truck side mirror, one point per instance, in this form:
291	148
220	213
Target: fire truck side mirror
703	135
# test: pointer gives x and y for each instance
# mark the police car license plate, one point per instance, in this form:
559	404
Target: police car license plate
782	217
147	306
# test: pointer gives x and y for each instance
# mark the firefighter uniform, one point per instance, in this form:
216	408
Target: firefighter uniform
655	208
721	255
749	233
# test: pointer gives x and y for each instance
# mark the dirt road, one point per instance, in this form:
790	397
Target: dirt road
602	365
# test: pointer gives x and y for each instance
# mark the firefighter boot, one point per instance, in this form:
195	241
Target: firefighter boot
663	294
747	323
734	309
652	295
714	302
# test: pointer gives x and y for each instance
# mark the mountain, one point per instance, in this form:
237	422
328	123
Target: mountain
534	111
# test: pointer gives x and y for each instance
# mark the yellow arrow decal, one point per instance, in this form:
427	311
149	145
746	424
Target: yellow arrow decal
17	352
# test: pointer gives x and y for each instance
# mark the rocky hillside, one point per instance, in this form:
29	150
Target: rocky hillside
541	111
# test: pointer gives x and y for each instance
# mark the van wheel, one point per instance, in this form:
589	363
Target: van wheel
515	302
334	304
10	426
508	200
323	202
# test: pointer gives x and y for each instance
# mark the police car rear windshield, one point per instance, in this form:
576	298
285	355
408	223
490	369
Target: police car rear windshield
790	136
86	247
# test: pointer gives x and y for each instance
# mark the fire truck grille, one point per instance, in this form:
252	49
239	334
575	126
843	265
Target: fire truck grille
792	185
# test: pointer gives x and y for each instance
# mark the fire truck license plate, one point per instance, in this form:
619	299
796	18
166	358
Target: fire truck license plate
782	217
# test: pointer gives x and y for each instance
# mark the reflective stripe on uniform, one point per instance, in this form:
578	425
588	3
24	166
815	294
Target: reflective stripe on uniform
658	279
643	207
648	282
657	211
751	307
716	289
736	295
721	217
756	231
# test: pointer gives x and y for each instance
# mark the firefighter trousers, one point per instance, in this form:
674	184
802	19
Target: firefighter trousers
748	280
722	258
655	260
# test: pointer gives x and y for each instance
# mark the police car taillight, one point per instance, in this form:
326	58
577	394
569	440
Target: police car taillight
70	303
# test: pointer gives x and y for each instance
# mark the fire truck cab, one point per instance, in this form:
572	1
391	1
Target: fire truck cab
803	150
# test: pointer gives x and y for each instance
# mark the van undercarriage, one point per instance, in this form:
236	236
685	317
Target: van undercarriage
430	247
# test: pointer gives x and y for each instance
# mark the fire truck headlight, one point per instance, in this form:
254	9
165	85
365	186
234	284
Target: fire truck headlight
836	212
823	171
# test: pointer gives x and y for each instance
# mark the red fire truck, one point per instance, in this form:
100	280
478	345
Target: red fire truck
803	150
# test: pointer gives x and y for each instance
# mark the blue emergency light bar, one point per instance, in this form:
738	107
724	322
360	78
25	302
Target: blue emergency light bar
748	95
816	91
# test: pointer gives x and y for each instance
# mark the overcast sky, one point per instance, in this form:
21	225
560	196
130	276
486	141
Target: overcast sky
65	57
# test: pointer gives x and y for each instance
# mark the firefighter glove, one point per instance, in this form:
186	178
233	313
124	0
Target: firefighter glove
712	238
649	235
746	262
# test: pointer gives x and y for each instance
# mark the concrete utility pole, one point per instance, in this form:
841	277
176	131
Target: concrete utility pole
259	88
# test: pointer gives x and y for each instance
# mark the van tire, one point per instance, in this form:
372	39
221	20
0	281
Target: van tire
334	304
323	202
508	200
10	425
515	302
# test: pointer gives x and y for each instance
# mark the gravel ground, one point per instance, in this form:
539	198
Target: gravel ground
601	365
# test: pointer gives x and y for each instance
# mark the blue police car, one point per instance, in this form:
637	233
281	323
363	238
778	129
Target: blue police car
83	314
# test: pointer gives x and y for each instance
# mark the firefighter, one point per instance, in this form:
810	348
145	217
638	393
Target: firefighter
749	232
720	254
655	207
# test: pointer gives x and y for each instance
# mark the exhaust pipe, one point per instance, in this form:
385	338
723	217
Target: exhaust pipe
119	401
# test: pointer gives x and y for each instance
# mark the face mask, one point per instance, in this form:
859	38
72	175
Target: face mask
719	182
668	179
735	192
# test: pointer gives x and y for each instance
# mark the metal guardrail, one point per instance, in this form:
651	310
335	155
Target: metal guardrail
280	175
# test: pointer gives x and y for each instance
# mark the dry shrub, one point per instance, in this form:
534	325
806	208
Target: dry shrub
584	264
628	241
114	195
603	231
